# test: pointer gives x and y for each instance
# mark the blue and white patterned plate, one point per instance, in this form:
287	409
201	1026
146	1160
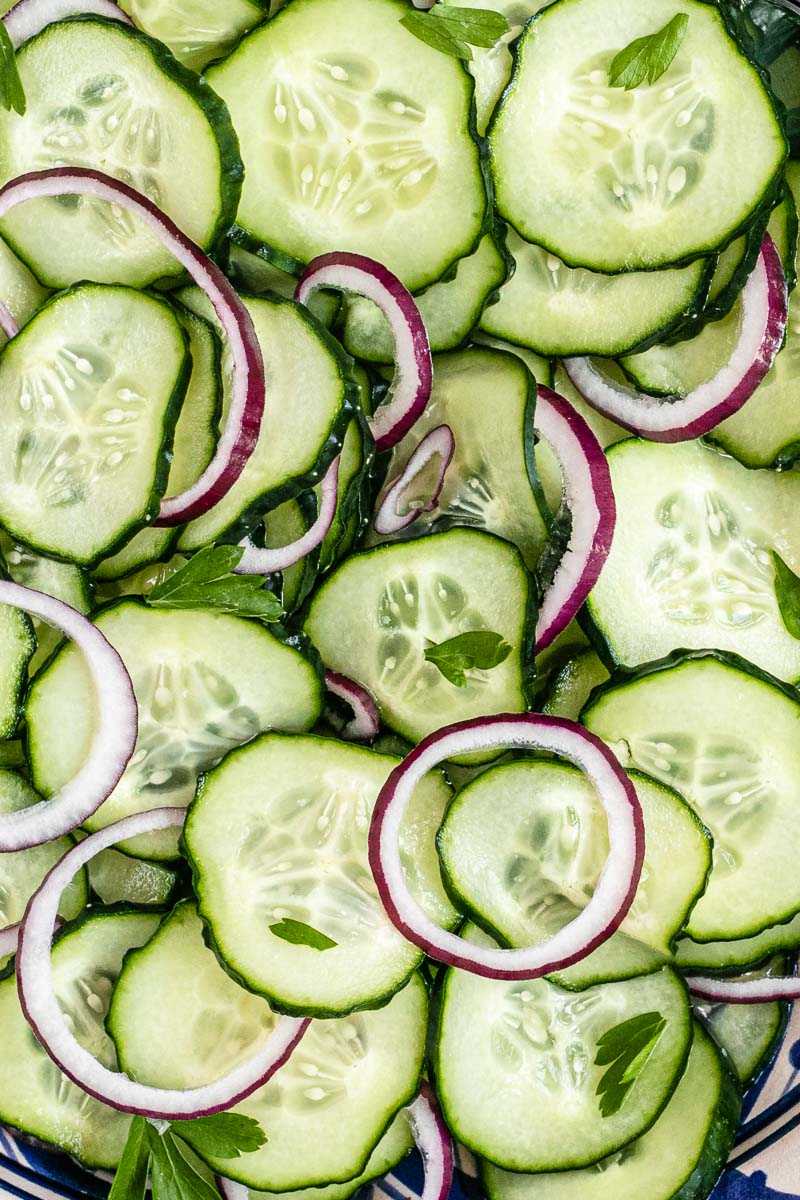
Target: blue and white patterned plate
764	1166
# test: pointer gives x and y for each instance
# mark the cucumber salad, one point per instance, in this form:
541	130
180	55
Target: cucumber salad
399	589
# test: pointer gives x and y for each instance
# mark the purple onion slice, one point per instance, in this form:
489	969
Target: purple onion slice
590	499
744	991
29	17
396	510
43	1014
259	561
618	880
238	438
434	1143
8	322
410	388
366	722
680	418
116	727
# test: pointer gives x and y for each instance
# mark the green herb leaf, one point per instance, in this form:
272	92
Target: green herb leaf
646	59
480	650
207	582
130	1181
12	93
453	30
300	934
226	1135
627	1048
173	1177
787	593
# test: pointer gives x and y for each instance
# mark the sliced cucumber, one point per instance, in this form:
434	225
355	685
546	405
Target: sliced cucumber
296	849
35	1097
450	308
309	404
102	95
353	507
532	1047
87	420
204	682
557	311
17	647
62	580
22	293
117	878
749	1033
196	31
741	952
680	1158
375	616
522	848
284	525
661	178
140	583
724	735
193	446
540	368
570	641
324	1110
607	432
256	275
342	146
574	684
691	555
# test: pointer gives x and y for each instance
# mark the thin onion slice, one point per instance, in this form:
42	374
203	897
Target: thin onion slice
618	880
366	722
680	418
439	445
260	561
29	17
42	1011
116	726
744	991
8	322
589	497
434	1143
410	388
239	437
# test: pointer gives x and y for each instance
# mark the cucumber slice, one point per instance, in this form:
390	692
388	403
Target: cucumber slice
354	503
22	293
196	31
323	1111
540	368
87	420
204	682
680	1158
691	556
571	641
749	1033
115	878
309	404
342	146
522	848
742	952
193	446
102	95
375	616
62	580
17	647
255	274
141	583
298	851
662	178
574	684
607	432
724	735
284	525
532	1046
450	308
560	311
35	1097
489	484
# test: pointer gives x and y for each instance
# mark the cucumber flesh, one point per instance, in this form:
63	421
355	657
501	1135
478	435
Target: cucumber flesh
196	31
116	878
256	275
748	1033
741	952
574	684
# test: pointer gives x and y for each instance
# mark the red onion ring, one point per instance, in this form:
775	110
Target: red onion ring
116	718
43	1014
744	991
29	17
618	880
410	388
589	496
259	561
439	443
8	322
366	721
680	418
434	1143
239	437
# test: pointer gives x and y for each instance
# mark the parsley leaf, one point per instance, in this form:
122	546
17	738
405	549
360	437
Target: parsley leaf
787	593
12	93
627	1048
207	582
130	1181
480	650
300	934
453	30
646	59
173	1176
225	1135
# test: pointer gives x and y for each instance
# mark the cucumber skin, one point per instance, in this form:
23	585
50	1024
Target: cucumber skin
720	1138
